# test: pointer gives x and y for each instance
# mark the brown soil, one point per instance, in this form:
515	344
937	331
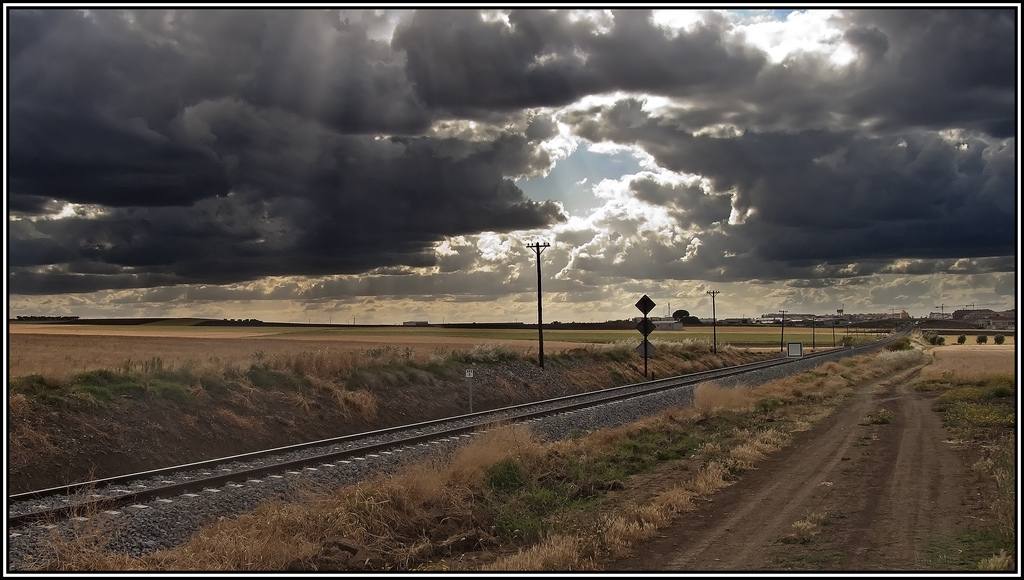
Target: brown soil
887	492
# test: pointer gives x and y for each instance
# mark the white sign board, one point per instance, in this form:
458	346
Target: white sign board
795	349
469	373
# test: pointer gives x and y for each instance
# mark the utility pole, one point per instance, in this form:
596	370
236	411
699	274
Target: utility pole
714	319
538	248
813	344
782	335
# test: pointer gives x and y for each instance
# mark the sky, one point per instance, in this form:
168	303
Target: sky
382	166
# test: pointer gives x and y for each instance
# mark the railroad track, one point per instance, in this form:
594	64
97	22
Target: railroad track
66	501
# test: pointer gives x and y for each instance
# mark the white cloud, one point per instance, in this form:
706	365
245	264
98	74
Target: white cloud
812	31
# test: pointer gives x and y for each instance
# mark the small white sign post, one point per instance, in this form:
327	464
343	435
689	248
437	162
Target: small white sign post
795	349
469	375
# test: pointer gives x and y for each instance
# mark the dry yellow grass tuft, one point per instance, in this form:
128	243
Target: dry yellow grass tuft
554	553
997	563
709	479
711	398
804	530
756	447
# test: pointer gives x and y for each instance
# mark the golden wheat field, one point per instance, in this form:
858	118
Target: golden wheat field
59	350
53	354
973	360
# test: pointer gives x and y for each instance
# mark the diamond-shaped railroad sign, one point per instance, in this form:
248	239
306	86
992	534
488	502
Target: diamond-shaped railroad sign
650	348
645	304
645	326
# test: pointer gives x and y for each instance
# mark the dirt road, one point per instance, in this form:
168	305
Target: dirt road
872	495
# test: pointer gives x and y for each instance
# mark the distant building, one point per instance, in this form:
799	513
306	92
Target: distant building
973	315
666	323
988	318
939	316
416	323
661	322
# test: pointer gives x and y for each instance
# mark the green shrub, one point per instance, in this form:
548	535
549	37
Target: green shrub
505	476
999	391
982	339
961	339
900	344
1000	339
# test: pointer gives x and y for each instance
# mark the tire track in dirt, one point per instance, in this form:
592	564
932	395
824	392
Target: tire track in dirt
888	490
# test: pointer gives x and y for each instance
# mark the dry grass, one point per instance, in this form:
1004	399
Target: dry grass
387	518
34	349
554	553
710	398
757	446
410	517
998	563
880	416
804	530
971	363
709	479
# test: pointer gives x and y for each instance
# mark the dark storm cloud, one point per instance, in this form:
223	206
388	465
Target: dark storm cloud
830	196
230	145
937	68
225	146
544	58
305	201
917	68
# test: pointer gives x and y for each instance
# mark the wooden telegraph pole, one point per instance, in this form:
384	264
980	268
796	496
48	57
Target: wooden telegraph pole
714	319
538	248
782	335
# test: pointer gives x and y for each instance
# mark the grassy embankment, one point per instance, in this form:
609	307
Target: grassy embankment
147	414
509	502
978	407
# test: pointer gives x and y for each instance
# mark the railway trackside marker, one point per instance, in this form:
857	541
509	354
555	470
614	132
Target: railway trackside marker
651	351
645	326
794	349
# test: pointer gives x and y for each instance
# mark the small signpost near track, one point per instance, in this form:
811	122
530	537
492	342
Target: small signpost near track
646	327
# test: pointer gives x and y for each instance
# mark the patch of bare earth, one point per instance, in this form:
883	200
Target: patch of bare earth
873	487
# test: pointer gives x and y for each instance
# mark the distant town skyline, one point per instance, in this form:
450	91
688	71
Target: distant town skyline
295	165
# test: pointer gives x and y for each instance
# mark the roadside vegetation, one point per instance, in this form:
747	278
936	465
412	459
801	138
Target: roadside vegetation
148	413
507	501
979	410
